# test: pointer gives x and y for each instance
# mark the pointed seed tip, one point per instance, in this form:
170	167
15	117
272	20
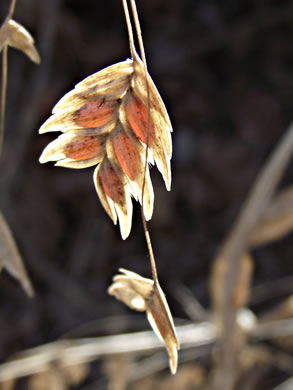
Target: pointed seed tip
42	160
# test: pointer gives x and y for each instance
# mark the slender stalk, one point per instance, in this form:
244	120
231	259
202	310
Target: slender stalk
129	28
11	10
142	52
145	226
3	94
4	78
139	35
150	249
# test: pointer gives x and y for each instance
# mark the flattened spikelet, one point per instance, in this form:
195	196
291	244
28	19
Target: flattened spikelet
105	121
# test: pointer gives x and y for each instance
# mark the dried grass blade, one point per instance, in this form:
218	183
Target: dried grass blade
277	220
10	258
236	244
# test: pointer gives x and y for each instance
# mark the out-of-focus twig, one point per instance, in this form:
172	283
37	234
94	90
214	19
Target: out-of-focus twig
231	255
10	257
37	81
277	220
190	304
288	385
3	95
271	289
15	35
73	352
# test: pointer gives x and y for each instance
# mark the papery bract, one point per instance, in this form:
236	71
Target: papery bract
105	121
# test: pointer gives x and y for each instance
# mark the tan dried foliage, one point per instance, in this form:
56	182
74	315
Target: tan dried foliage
189	376
59	378
277	220
15	35
105	122
281	311
241	295
8	385
117	370
143	294
10	258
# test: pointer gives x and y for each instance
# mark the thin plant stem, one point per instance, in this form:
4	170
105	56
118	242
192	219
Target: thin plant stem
142	52
11	10
4	78
139	35
150	249
129	28
3	94
143	57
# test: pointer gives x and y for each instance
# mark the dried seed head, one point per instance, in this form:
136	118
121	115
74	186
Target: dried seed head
143	294
105	121
15	35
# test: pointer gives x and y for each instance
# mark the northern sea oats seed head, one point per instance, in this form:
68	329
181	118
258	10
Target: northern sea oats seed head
104	121
143	294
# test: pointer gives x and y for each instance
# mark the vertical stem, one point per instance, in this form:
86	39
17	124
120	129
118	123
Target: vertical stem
11	10
139	35
150	249
3	94
145	227
129	28
132	49
4	79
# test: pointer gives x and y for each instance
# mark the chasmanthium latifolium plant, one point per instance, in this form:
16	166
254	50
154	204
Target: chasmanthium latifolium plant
116	120
104	124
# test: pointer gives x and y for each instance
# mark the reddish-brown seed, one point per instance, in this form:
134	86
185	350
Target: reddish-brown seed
83	148
127	154
94	114
111	183
160	318
137	114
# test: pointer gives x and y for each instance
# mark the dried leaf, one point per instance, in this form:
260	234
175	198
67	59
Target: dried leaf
8	385
241	295
59	377
47	380
105	121
76	373
143	294
282	311
10	258
277	220
15	35
117	370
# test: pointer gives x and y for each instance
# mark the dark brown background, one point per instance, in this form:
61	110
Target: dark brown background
225	72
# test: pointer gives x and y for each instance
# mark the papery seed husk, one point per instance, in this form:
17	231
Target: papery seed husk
84	148
82	164
19	38
128	154
107	203
109	83
73	147
137	116
160	318
129	297
109	76
96	113
119	193
141	286
156	103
